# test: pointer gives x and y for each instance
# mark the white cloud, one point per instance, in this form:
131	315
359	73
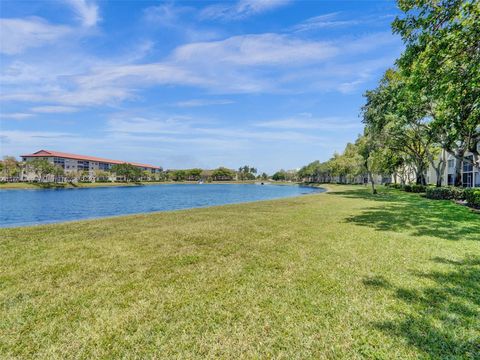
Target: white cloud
203	102
15	116
16	142
79	97
165	14
310	123
251	63
181	129
145	74
143	125
324	21
258	49
17	35
86	11
20	34
54	109
241	9
179	21
20	72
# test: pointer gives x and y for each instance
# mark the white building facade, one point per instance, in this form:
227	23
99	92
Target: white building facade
469	170
70	163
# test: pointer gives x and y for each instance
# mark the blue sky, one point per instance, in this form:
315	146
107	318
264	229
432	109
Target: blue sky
269	83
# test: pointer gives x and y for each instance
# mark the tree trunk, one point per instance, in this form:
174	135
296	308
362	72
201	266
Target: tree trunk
458	172
420	172
443	165
420	176
372	181
439	177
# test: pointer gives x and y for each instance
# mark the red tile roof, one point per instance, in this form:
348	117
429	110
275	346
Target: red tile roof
44	153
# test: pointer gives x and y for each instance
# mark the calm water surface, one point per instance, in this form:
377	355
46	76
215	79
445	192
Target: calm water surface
31	207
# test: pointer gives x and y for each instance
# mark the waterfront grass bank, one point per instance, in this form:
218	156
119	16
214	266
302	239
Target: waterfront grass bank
343	274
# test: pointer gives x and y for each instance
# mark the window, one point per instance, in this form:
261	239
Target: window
451	179
468	179
104	166
59	162
451	163
468	167
83	165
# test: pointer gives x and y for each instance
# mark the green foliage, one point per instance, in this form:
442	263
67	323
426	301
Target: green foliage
414	188
473	197
264	176
246	173
285	175
9	167
395	186
101	175
431	101
42	167
194	174
223	174
444	58
445	193
58	173
177	175
347	167
280	175
128	171
316	172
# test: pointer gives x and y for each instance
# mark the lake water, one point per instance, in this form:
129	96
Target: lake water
32	207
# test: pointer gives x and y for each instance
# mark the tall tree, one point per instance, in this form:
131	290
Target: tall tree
223	174
10	167
397	118
58	173
127	171
42	168
443	54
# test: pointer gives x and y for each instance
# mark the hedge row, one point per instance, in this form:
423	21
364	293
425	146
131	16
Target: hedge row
409	188
471	196
445	193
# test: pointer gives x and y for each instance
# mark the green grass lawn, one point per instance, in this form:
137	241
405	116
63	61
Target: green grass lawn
337	275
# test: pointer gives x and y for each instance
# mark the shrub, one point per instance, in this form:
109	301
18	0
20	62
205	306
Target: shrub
414	188
396	186
473	197
445	193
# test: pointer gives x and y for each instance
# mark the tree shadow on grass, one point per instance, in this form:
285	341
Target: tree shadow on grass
402	212
443	319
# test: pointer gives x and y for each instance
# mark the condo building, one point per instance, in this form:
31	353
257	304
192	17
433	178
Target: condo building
73	162
470	172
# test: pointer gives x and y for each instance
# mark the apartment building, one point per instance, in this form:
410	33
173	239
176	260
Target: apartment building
470	172
74	162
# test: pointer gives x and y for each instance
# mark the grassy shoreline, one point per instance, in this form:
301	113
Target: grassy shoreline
341	274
